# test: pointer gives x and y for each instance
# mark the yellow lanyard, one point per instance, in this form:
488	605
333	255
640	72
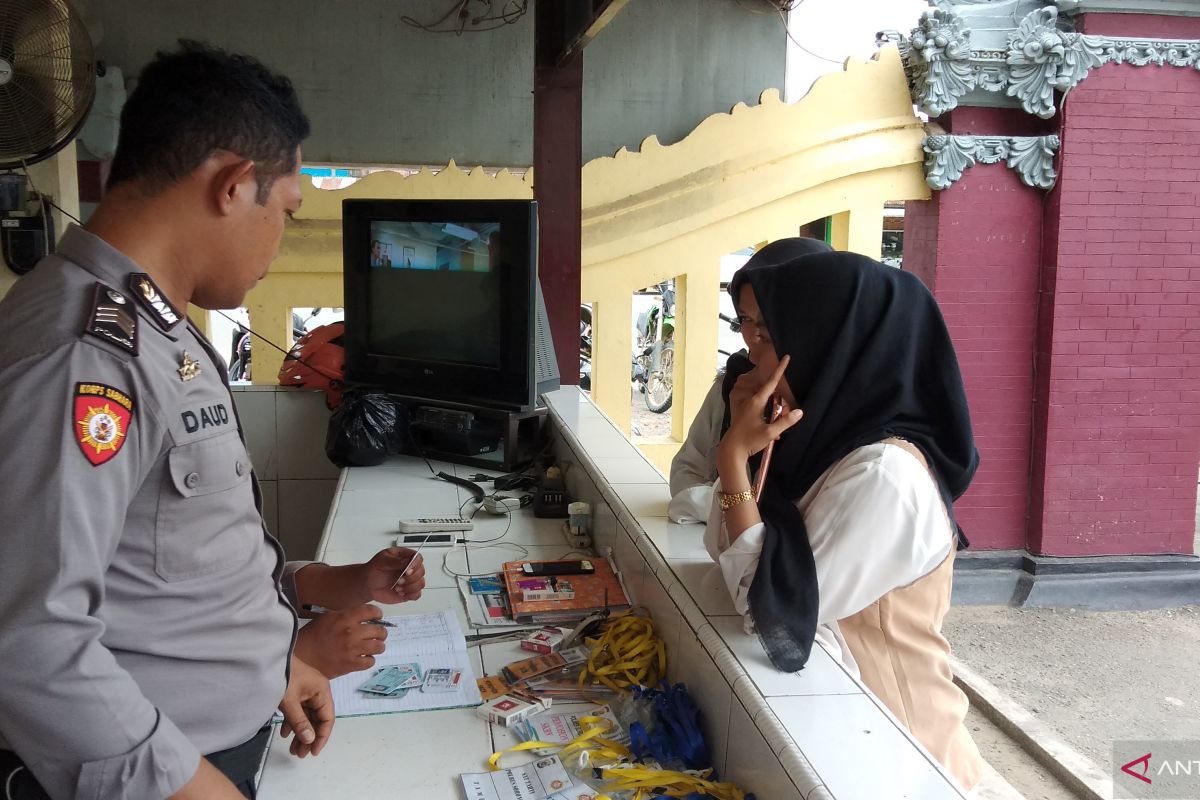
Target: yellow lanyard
599	749
628	653
665	783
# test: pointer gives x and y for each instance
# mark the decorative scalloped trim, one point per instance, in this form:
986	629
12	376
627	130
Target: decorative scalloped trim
1041	62
947	157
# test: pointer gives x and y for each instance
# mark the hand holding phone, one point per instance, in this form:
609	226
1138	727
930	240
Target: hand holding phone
773	412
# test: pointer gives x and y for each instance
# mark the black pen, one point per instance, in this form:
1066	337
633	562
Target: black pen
322	610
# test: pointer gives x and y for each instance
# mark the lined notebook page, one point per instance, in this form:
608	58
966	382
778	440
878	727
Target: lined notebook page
430	640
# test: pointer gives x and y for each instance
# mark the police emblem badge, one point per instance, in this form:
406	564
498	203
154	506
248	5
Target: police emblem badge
188	367
103	415
149	295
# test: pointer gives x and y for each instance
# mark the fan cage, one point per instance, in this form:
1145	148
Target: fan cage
46	100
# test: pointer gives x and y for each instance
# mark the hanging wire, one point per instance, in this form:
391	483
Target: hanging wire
787	30
459	19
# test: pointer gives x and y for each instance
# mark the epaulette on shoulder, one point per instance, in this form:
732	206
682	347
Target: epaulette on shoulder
113	318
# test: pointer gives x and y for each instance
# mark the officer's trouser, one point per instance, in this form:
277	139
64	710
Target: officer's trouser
240	764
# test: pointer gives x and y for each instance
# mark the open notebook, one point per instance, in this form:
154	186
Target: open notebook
431	640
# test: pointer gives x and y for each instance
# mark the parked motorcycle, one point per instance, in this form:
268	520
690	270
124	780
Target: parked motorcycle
654	354
239	357
585	347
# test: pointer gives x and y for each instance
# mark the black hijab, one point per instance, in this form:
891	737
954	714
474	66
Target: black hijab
783	251
870	359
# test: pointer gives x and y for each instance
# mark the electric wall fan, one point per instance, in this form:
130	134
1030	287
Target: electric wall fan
47	85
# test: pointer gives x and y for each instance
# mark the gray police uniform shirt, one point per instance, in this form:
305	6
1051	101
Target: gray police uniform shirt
141	616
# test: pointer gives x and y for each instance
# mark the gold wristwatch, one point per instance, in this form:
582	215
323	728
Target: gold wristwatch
728	501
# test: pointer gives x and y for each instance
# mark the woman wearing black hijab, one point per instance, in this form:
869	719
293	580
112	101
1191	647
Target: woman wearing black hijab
852	541
694	467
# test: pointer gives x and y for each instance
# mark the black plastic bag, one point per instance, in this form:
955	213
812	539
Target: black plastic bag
364	430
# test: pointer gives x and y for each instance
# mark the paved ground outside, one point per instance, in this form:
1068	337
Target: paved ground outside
1092	677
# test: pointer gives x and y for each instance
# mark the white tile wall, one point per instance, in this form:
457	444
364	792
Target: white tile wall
256	410
857	751
708	688
303	508
675	541
751	764
301	423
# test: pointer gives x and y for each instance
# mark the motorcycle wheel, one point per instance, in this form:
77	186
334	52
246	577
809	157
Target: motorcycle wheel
659	382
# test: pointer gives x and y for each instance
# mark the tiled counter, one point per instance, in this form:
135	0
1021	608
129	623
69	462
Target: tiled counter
813	735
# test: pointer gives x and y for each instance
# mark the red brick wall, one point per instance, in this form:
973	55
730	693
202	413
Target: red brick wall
1117	440
983	235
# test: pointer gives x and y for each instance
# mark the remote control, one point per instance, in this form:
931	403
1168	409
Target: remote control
428	524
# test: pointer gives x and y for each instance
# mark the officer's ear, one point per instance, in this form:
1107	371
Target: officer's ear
234	183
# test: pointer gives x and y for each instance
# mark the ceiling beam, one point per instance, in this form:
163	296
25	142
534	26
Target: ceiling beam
584	19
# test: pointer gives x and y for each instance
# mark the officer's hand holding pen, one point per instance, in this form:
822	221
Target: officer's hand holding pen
337	642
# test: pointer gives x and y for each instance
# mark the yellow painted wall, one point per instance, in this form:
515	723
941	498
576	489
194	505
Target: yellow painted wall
750	176
58	178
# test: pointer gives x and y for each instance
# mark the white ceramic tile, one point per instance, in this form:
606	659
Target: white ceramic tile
604	525
667	619
820	676
601	439
628	469
256	410
839	734
301	423
303	507
693	617
567	413
631	564
750	763
362	534
675	541
270	496
704	583
405	499
643	499
580	485
653	558
710	691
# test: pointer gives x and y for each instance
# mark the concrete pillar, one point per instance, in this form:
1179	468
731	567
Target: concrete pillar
612	346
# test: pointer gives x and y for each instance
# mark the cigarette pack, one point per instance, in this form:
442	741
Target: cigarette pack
543	640
507	710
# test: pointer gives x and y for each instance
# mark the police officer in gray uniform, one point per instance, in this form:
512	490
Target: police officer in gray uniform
145	620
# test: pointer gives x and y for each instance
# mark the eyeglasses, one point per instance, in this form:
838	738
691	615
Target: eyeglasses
741	321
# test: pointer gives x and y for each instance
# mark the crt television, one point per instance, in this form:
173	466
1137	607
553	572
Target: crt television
443	301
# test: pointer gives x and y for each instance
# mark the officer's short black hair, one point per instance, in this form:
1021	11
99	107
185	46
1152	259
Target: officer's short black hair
200	99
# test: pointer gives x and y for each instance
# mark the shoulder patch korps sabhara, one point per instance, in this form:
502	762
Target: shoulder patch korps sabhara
113	319
101	420
149	295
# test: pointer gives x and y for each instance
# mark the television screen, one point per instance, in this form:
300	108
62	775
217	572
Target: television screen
443	303
434	288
